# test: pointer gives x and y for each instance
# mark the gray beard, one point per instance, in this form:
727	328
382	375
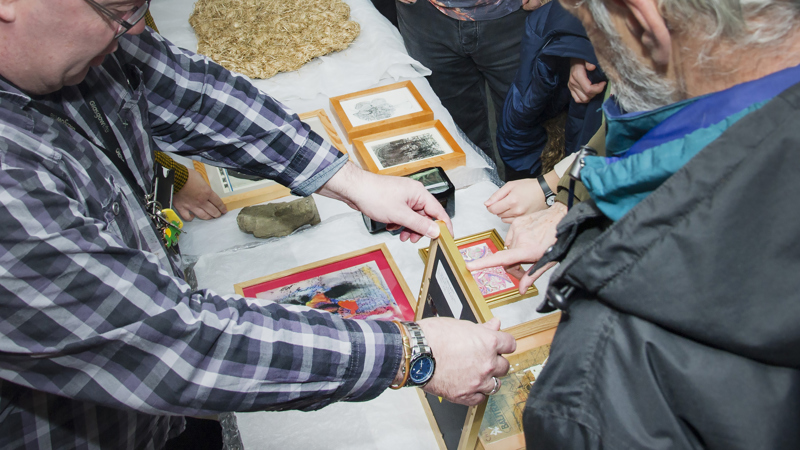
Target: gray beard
636	86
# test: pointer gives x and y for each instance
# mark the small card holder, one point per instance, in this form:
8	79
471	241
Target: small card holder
437	183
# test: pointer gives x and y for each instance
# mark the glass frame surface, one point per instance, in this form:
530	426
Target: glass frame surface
377	254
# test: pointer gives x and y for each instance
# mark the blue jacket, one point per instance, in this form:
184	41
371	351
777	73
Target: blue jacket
539	92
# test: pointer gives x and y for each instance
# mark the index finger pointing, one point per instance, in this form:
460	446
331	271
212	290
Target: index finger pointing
504	258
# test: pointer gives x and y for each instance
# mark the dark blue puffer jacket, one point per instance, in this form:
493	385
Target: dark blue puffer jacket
539	92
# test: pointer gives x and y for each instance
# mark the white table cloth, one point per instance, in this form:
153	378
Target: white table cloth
225	256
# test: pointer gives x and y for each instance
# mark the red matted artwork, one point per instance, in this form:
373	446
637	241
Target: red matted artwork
493	280
361	285
497	286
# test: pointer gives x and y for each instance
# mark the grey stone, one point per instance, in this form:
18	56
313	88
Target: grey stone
278	219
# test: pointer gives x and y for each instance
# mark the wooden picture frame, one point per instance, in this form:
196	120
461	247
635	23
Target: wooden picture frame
497	286
448	290
380	109
500	426
406	150
320	123
243	190
364	284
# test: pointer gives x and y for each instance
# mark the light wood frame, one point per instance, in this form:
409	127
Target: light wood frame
380	253
444	253
501	298
447	161
352	132
529	335
327	131
268	189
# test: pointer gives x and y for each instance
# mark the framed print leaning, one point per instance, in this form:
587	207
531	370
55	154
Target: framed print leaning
448	290
238	190
380	109
501	424
406	150
365	284
497	286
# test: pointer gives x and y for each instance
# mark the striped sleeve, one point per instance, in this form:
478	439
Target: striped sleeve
201	110
86	317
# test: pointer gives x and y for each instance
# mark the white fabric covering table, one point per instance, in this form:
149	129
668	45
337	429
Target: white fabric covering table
225	256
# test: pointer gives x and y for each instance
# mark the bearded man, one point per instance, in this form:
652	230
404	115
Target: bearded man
680	276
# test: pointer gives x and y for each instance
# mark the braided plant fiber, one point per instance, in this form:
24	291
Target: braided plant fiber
260	38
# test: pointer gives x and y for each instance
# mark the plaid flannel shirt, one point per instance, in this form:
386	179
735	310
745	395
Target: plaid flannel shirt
102	345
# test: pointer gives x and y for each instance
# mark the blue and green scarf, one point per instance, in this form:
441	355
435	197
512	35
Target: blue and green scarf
645	148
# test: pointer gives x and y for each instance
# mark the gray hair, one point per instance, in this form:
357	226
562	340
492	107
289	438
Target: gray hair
735	24
740	23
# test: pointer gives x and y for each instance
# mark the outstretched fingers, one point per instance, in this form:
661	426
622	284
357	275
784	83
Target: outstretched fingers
504	258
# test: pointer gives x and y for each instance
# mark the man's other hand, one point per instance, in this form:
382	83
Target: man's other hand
196	199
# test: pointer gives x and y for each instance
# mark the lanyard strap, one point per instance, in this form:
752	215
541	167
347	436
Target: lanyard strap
110	147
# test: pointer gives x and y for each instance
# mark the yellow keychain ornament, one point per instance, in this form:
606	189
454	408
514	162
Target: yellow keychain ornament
172	230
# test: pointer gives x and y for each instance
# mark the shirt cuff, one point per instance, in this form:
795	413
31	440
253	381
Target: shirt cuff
314	183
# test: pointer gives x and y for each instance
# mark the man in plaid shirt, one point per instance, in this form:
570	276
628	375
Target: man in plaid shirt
102	344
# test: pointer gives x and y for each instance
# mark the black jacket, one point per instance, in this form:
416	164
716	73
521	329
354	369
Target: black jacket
684	328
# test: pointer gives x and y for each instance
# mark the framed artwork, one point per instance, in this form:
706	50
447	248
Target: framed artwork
407	150
380	109
365	284
448	290
497	286
501	424
238	190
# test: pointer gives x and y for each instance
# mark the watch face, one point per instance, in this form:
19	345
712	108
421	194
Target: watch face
421	370
550	200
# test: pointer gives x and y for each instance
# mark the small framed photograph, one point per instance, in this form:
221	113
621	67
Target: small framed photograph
380	109
238	190
365	284
497	286
501	424
407	150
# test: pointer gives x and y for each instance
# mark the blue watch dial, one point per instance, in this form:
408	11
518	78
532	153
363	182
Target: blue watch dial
421	370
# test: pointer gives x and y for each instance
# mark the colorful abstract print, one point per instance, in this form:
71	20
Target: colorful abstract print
491	280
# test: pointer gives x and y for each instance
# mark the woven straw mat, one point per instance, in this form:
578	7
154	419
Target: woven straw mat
260	38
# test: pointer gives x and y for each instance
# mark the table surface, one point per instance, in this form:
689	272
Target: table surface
223	255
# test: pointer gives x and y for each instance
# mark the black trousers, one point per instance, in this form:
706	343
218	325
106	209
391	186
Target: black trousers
464	57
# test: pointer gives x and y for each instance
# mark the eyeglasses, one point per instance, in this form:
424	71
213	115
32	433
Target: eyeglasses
128	19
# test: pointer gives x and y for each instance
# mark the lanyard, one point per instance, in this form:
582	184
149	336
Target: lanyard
110	147
164	220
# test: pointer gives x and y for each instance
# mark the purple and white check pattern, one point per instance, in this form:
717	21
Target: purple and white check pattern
101	344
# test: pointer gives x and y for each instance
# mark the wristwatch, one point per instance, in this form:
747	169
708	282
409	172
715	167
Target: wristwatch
422	363
549	195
